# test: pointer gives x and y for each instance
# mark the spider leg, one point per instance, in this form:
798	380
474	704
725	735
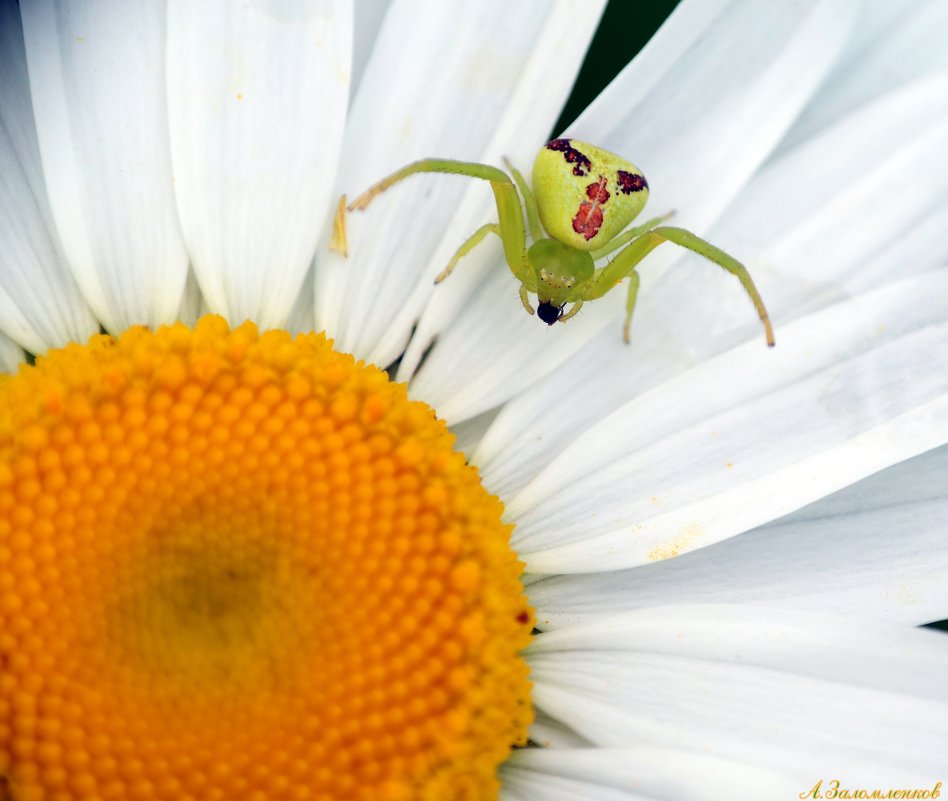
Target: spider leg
577	305
529	201
628	236
509	210
624	263
630	304
469	244
337	241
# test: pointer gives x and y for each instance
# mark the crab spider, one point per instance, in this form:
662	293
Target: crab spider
582	199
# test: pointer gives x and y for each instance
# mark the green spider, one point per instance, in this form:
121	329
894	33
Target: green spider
584	197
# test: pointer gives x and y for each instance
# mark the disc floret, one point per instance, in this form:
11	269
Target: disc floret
242	565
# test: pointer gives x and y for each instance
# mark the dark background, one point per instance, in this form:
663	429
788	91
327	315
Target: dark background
625	28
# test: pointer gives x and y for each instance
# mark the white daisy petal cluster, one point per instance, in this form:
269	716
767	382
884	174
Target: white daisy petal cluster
727	547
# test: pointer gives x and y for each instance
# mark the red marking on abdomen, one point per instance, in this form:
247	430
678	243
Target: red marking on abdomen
597	192
588	220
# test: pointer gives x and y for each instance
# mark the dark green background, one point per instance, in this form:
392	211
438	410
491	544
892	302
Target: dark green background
625	28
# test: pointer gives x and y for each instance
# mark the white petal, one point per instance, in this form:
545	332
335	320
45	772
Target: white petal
805	248
257	96
301	316
193	306
804	694
97	79
891	44
842	212
747	437
473	81
549	733
470	432
369	15
11	354
631	774
40	304
874	550
713	103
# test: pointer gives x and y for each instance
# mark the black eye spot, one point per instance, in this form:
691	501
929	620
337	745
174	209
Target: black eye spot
549	313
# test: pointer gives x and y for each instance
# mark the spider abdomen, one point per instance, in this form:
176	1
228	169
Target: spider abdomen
586	195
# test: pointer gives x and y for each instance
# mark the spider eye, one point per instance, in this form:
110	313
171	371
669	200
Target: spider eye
549	313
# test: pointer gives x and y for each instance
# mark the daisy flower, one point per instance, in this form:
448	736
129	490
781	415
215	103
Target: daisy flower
237	563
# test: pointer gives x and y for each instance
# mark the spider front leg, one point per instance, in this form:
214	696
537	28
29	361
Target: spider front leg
529	201
628	236
469	244
577	305
630	304
509	211
624	264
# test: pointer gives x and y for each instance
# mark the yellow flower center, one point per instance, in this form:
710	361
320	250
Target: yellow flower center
239	566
